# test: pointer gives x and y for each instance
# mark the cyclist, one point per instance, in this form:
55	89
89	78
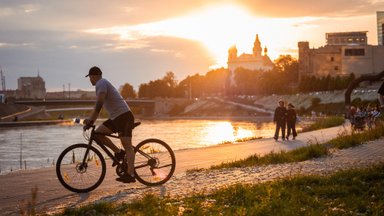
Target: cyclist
121	120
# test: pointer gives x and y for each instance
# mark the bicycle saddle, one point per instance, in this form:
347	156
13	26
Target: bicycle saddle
136	124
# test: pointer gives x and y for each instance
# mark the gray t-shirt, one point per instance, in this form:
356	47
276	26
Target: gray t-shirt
113	103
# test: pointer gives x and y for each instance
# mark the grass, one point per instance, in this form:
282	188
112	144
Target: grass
29	207
352	192
327	122
344	140
242	140
297	155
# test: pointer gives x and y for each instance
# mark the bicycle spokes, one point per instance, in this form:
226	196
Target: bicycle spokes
80	168
154	162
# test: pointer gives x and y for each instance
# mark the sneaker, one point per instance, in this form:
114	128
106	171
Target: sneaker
287	138
119	156
293	138
275	138
126	179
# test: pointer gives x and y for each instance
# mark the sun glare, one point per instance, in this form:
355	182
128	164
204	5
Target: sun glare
218	28
221	132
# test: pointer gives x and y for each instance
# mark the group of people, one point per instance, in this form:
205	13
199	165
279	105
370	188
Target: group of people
285	118
363	116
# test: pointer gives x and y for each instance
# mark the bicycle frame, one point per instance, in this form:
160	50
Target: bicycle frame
106	150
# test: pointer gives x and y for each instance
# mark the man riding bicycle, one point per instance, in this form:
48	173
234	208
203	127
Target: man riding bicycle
121	120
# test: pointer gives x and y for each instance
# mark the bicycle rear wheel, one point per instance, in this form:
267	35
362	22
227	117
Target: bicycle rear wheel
77	176
154	162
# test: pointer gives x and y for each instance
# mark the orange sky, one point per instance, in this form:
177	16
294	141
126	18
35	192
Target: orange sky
139	41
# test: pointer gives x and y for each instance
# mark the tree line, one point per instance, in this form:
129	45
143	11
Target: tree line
282	79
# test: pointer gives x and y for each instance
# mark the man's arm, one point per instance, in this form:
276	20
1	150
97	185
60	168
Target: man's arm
275	115
96	110
98	106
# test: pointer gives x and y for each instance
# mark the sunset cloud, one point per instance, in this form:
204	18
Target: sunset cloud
62	38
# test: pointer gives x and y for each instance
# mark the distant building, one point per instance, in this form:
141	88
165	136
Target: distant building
31	87
78	94
380	27
254	61
344	54
347	38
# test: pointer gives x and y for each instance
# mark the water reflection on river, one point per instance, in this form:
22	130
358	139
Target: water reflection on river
41	145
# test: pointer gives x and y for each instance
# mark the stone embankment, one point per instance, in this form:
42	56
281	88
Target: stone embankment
304	100
265	105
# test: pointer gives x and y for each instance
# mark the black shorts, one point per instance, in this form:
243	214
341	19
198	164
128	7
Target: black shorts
122	124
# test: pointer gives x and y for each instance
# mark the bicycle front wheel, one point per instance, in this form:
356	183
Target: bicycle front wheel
75	174
154	162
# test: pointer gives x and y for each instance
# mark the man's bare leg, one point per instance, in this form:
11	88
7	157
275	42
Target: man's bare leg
105	140
130	154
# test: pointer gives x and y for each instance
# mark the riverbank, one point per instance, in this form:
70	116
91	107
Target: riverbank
53	196
218	108
9	110
35	123
346	181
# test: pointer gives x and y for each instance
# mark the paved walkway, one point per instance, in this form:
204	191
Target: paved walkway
52	196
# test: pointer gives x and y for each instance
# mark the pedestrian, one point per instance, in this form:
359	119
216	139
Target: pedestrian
291	121
120	121
351	115
381	96
279	118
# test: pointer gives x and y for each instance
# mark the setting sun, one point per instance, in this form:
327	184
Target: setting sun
217	28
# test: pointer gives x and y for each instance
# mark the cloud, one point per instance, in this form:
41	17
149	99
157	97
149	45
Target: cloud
63	57
299	8
64	38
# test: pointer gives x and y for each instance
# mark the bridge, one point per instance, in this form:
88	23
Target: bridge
144	107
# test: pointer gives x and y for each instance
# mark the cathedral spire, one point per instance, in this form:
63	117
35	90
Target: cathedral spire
257	46
232	53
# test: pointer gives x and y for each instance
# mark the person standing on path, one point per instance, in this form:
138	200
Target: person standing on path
120	120
291	121
280	117
381	96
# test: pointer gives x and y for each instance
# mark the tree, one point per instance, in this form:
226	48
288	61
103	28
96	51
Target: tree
170	79
127	91
289	65
164	87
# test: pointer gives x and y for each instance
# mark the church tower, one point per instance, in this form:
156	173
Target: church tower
257	47
232	53
265	51
304	59
255	61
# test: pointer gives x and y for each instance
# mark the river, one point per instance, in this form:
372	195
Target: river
39	146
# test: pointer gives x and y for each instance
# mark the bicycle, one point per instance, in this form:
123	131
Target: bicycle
81	167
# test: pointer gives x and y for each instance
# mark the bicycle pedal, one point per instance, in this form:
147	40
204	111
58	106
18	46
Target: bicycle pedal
115	163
